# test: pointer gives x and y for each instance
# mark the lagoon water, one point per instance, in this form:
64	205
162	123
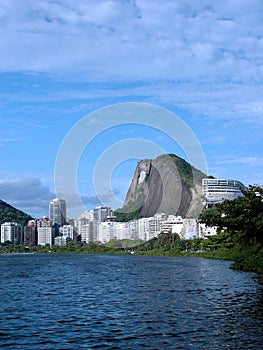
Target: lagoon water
127	302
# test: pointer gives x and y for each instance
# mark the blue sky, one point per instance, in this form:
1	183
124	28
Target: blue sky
62	60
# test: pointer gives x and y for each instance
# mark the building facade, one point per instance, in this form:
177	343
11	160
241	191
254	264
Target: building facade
58	212
87	233
30	234
100	214
45	236
11	232
45	231
67	231
217	190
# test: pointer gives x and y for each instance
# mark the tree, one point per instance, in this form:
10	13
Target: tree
242	216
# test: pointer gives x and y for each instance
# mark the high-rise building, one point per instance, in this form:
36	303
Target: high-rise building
45	231
30	234
45	235
12	232
57	212
100	214
87	232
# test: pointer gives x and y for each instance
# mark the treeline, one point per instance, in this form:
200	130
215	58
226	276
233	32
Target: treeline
241	224
72	247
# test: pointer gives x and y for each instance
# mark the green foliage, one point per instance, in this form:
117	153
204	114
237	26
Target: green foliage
126	214
123	243
78	248
242	216
164	244
187	171
211	216
9	214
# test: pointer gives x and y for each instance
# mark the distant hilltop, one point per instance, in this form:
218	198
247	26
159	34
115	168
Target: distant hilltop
11	214
166	184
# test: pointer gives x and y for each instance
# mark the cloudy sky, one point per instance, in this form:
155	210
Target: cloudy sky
62	60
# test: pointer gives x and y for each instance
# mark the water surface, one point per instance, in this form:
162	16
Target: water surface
127	302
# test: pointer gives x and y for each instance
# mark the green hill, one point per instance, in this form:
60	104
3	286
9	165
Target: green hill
9	213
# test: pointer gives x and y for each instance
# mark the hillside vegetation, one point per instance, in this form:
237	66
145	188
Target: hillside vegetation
9	213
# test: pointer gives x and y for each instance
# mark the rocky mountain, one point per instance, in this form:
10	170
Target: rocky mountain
9	213
166	184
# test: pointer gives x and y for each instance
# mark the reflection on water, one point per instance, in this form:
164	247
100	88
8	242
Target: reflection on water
127	302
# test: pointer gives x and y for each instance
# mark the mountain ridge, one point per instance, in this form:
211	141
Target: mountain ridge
8	213
166	184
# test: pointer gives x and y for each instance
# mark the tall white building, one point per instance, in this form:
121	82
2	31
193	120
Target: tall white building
155	225
45	235
87	234
12	232
144	228
121	231
58	211
45	231
106	231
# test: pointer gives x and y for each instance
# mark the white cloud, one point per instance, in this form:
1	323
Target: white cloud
201	56
27	194
204	56
114	39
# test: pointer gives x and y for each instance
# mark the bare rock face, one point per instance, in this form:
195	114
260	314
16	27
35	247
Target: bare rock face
166	184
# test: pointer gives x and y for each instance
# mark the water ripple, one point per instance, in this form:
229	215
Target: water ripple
117	302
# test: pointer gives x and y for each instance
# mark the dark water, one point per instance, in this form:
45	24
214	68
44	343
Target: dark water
127	302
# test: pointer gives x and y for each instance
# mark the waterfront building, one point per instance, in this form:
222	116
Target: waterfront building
155	225
43	222
61	240
106	231
79	224
45	231
173	224
67	231
120	230
57	212
144	228
217	190
132	229
190	229
206	231
87	232
45	235
30	234
12	232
